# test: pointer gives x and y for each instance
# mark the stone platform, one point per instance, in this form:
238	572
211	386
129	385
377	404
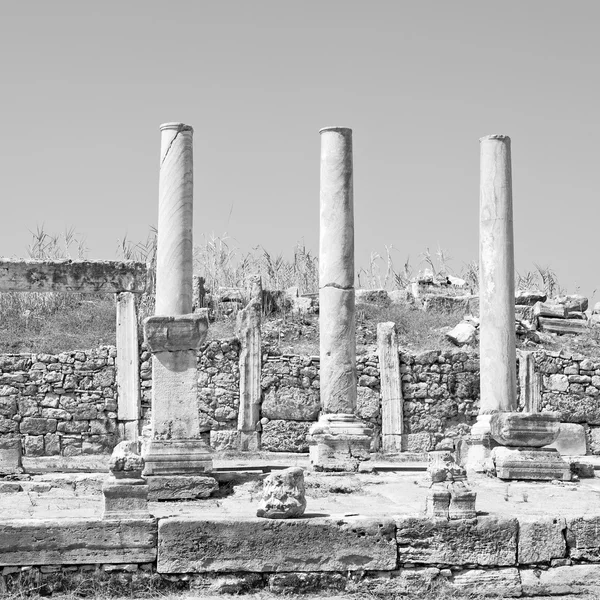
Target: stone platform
528	538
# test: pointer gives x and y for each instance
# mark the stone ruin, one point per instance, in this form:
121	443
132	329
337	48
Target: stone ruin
447	539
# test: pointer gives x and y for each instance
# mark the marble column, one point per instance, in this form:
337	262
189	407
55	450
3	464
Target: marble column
340	439
497	342
179	444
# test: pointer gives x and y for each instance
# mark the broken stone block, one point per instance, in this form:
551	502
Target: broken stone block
525	429
283	495
462	501
529	298
541	539
463	333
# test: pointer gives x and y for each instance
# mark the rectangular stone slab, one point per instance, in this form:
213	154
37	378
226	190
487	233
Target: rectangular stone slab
192	545
82	276
485	541
76	541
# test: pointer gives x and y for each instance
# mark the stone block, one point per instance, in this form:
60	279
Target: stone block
438	502
571	440
541	539
540	464
37	425
489	582
291	403
583	538
33	445
285	436
568	580
485	541
225	439
10	456
368	402
125	499
524	429
417	442
192	545
172	333
562	326
180	487
76	541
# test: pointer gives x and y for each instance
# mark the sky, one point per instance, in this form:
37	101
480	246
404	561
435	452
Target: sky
85	86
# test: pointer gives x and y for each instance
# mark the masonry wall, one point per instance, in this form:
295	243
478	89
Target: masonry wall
66	404
60	404
570	385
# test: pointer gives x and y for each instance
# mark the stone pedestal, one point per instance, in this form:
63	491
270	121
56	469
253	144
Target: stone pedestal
540	464
340	440
339	443
180	442
449	496
521	453
125	492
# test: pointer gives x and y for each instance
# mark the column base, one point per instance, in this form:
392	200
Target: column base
479	446
125	498
178	457
539	464
339	442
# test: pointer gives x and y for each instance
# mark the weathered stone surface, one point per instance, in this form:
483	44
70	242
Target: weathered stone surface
83	276
524	429
225	439
76	541
562	326
283	495
529	297
489	582
575	408
583	538
571	440
265	545
392	403
125	499
173	333
291	403
485	541
573	302
541	539
557	311
463	333
416	442
289	583
540	464
180	487
367	403
575	579
10	455
285	436
125	460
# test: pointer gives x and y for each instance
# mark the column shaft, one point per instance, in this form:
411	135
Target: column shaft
497	278
336	273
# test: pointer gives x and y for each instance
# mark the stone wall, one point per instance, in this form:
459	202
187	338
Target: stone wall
60	404
570	385
488	556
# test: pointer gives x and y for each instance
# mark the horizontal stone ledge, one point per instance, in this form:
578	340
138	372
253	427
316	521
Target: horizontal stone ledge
221	544
81	276
175	333
76	541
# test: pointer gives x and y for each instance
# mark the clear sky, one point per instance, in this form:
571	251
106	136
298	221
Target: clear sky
85	86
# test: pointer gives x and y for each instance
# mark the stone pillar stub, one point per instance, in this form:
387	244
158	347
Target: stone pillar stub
497	278
391	387
248	331
339	441
128	365
179	444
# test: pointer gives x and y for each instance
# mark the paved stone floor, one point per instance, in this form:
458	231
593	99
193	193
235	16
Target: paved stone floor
384	493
